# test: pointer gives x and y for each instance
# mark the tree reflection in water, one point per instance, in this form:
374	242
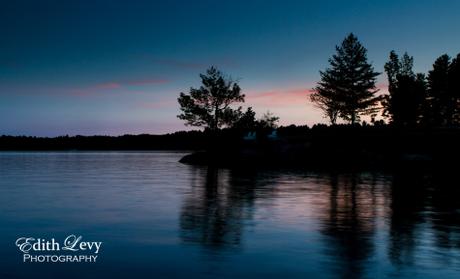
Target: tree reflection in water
215	211
356	215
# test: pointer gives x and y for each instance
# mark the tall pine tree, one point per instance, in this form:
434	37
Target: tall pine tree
454	88
347	89
440	99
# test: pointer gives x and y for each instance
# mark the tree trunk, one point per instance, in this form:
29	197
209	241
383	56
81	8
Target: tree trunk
216	119
353	117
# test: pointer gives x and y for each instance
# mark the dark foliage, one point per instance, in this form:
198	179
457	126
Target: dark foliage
440	99
210	105
247	121
404	104
338	147
268	121
454	88
347	89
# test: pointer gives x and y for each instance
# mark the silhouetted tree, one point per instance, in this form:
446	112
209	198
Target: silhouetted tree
440	99
326	101
407	91
454	87
268	121
347	89
407	63
421	95
393	69
247	121
209	105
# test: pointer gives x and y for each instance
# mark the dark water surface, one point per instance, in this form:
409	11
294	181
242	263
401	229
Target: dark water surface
158	218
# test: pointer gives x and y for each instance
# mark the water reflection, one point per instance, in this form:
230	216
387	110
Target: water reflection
424	216
445	215
216	208
158	217
413	218
349	223
408	201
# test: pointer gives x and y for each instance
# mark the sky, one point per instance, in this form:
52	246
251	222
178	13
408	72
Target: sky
117	67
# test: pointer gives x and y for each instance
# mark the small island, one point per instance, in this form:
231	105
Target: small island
418	120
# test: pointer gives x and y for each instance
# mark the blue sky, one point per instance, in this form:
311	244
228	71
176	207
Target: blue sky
116	67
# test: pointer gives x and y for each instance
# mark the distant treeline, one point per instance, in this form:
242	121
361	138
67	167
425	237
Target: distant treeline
191	140
325	139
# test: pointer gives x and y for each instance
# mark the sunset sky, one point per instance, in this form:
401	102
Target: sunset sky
117	67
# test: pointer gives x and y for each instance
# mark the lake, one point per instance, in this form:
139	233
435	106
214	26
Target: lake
157	218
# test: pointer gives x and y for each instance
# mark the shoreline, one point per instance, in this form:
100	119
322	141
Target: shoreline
323	147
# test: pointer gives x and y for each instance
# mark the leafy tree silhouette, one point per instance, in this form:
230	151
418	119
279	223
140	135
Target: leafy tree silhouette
209	105
247	121
268	121
407	91
347	89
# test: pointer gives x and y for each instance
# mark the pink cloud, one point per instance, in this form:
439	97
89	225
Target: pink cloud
147	81
290	103
157	104
107	85
279	97
289	96
89	90
113	85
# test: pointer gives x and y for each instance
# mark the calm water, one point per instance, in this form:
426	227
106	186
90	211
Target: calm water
158	218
